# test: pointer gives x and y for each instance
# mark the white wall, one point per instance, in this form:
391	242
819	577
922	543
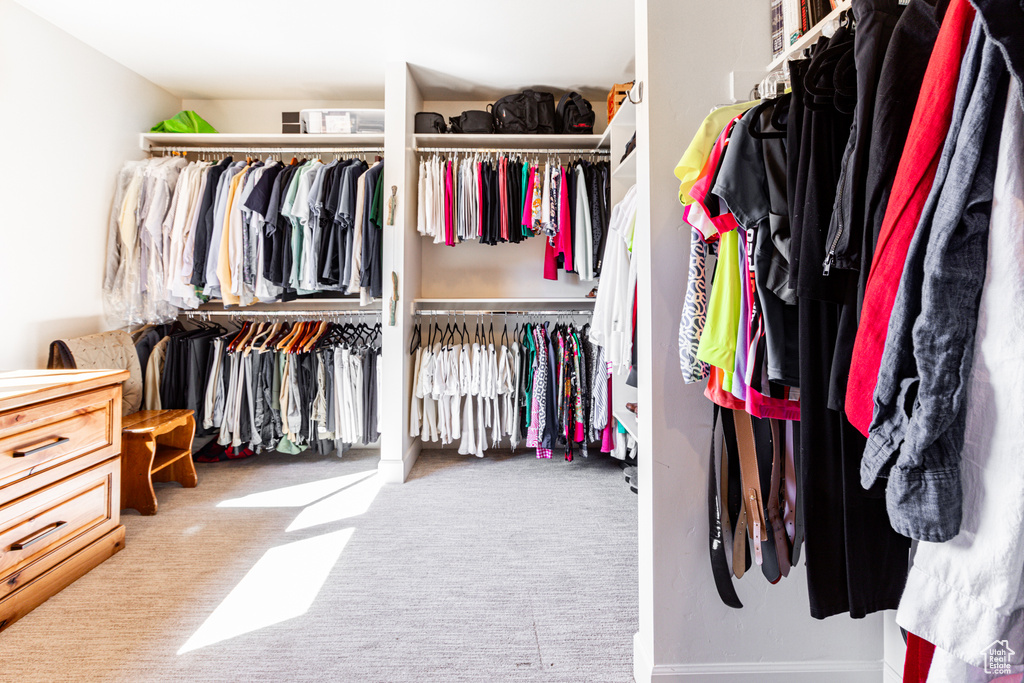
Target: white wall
62	100
261	116
686	633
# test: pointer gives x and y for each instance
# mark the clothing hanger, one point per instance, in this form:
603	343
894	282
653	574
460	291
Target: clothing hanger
451	335
346	334
330	337
283	343
319	330
446	337
300	339
246	346
415	339
301	330
361	330
240	336
283	329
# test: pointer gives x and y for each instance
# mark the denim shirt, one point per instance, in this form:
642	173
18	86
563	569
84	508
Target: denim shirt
920	396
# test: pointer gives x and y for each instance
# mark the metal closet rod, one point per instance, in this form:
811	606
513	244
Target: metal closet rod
470	313
278	314
268	150
514	150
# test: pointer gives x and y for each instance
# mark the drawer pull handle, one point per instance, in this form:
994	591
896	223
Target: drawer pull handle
37	449
37	536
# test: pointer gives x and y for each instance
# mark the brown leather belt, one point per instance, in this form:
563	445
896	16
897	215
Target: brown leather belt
757	528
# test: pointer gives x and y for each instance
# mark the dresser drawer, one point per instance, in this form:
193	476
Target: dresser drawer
40	530
44	435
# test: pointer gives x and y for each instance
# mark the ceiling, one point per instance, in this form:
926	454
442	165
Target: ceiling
338	49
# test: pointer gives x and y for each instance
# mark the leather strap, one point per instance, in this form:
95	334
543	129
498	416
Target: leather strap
741	560
752	500
723	481
762	431
789	514
716	537
778	528
793	452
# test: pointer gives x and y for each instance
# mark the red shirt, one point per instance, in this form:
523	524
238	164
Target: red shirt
911	186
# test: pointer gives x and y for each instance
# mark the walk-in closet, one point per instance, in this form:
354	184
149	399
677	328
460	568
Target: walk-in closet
627	340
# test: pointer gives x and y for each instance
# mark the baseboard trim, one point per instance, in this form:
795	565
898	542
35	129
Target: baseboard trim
643	667
397	471
892	675
755	672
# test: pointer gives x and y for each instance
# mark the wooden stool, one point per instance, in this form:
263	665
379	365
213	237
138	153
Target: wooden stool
156	445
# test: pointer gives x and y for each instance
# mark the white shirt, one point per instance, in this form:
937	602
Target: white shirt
612	323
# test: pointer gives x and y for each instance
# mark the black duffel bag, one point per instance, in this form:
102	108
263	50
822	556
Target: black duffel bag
575	114
472	121
429	122
527	112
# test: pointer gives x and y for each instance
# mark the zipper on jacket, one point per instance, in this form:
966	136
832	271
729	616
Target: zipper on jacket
831	257
829	260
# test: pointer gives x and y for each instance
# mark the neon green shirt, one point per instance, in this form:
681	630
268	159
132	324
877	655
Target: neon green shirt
718	341
696	155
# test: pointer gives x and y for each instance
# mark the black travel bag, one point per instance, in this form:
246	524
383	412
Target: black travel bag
575	114
472	121
429	122
528	112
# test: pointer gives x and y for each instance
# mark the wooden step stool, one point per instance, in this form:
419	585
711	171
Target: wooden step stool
156	445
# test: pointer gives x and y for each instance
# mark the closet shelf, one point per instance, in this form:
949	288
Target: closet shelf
242	140
353	302
509	142
568	302
626	170
625	117
628	421
807	39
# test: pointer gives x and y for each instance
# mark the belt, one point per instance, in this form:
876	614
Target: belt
717	522
774	516
734	503
757	527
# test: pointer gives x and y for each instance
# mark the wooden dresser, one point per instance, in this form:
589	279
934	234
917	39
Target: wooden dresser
60	488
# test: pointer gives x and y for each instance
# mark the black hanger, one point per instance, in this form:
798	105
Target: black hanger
755	121
491	333
504	335
415	339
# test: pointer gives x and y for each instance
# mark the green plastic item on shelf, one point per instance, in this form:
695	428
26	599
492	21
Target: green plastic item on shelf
183	122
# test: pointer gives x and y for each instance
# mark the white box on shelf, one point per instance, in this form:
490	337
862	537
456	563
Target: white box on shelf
341	121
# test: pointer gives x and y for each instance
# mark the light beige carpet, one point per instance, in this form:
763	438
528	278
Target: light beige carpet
303	568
